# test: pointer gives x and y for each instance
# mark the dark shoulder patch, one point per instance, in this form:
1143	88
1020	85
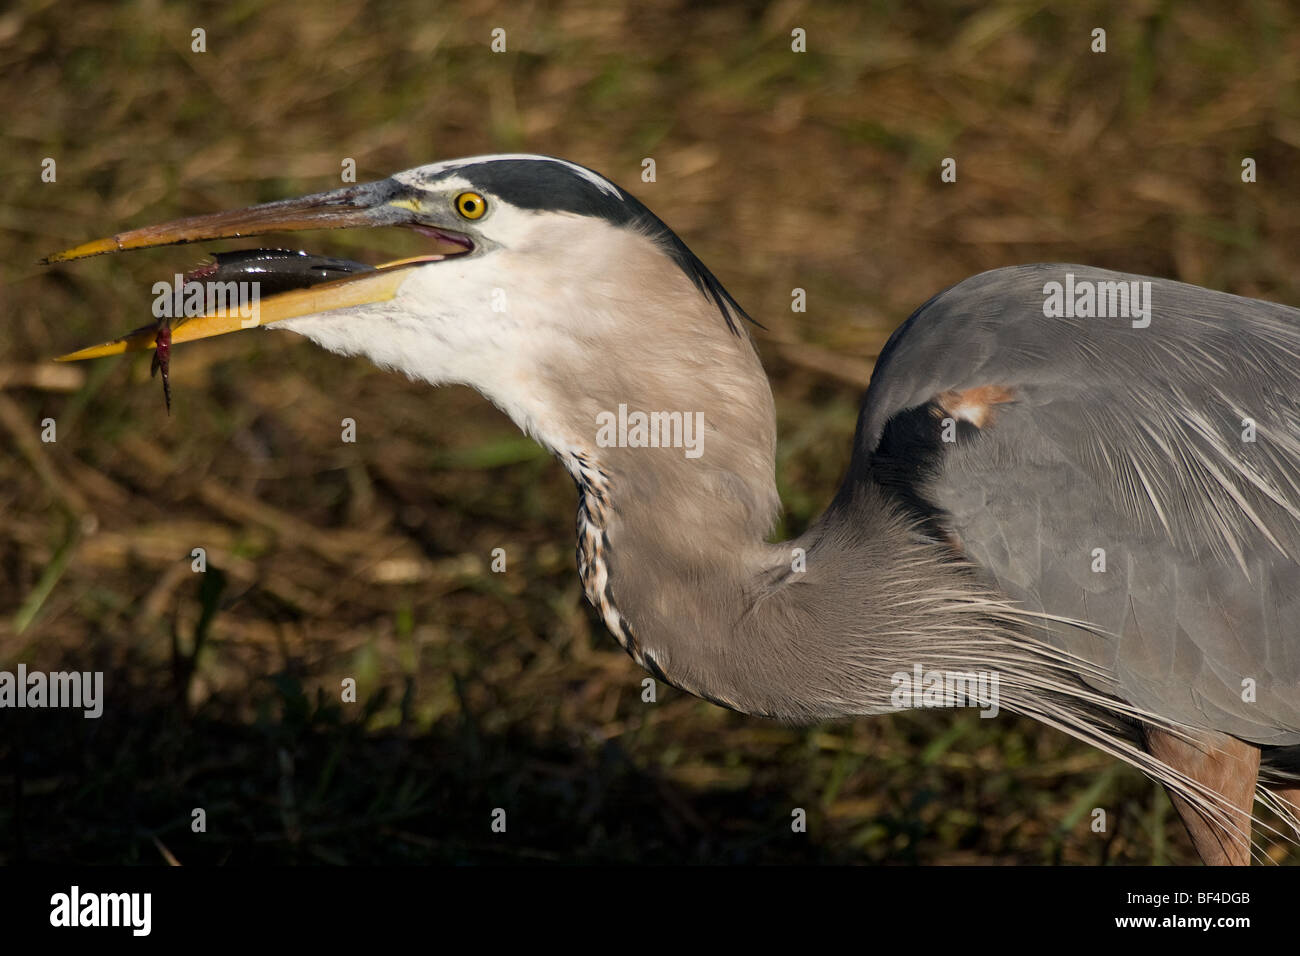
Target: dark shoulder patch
909	455
554	185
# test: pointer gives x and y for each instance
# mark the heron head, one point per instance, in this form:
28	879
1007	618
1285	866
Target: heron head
540	281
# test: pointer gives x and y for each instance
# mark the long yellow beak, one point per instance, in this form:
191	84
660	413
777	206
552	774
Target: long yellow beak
363	289
383	203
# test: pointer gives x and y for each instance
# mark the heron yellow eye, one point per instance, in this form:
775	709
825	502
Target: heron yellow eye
471	205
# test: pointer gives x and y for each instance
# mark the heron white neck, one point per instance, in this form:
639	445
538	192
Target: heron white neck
663	415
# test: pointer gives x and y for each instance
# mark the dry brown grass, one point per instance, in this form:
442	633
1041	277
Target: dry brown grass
369	560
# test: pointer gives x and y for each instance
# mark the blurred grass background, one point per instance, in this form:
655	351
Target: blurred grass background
478	690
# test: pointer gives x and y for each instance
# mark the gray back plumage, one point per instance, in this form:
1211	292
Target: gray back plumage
1126	446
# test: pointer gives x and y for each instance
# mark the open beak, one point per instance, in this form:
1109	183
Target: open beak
383	203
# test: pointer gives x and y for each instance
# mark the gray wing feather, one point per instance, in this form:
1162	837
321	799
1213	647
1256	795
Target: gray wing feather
1131	440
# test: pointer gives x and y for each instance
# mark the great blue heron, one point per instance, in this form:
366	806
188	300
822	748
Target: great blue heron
1082	484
